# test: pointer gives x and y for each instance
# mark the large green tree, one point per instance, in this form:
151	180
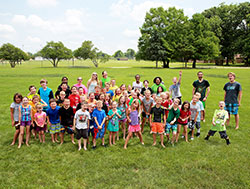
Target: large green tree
55	52
12	54
130	53
88	51
118	54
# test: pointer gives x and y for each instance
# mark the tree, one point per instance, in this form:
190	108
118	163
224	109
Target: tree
88	51
55	52
118	54
130	53
12	54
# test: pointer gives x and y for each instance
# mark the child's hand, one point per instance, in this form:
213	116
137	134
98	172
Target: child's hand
42	126
50	124
172	122
100	127
180	73
223	124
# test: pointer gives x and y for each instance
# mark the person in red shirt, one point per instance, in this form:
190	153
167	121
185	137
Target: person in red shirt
74	98
166	102
185	114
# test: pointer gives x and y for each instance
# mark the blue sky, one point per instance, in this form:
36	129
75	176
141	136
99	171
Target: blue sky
110	24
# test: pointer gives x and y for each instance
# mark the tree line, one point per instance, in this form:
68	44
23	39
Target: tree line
218	34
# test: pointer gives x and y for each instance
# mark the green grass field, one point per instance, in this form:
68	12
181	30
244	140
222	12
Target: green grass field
198	164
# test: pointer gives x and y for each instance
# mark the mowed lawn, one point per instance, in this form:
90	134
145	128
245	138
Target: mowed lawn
198	164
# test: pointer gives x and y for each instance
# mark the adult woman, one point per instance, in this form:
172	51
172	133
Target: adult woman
64	80
137	84
79	84
104	79
157	83
92	83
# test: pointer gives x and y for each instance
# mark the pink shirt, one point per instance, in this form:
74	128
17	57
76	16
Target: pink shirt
40	118
85	90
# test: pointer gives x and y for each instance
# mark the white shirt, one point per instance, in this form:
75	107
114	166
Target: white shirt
82	119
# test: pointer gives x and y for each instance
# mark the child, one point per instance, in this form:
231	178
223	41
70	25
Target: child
185	114
32	92
14	115
113	125
157	113
123	109
66	118
123	88
175	88
147	103
91	123
218	123
92	98
45	93
40	119
146	87
108	90
25	120
129	90
117	95
134	125
35	100
201	113
61	98
173	115
74	98
97	91
81	91
53	119
113	85
195	110
81	125
159	90
100	118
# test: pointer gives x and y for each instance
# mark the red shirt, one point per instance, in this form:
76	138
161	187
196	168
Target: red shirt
184	115
166	104
74	101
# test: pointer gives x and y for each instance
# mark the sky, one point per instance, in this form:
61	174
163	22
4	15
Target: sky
110	24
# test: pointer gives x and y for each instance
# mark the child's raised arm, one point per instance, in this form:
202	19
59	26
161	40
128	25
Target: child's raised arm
180	74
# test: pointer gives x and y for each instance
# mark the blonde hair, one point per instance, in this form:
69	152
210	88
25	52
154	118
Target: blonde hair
231	73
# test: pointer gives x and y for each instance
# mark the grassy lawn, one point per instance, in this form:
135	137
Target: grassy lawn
198	164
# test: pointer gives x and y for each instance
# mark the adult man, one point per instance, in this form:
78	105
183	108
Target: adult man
232	98
203	87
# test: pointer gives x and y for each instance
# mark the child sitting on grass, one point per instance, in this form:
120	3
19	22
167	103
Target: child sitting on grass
81	125
218	124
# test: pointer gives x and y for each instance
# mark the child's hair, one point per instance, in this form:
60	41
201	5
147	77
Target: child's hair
73	87
134	101
158	89
184	103
231	73
114	102
167	94
222	102
35	96
38	105
199	72
91	94
99	102
145	81
122	85
108	95
177	99
117	90
119	101
25	97
18	95
79	88
66	99
107	83
62	93
147	91
64	78
31	86
52	100
157	98
84	103
43	81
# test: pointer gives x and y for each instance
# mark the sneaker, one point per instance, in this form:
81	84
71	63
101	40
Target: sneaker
190	132
206	138
104	145
191	138
182	136
93	147
228	142
198	134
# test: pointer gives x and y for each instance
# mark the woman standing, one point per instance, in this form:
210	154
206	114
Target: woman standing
92	83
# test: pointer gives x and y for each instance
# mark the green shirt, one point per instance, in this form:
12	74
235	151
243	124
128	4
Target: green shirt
220	116
155	87
173	114
104	80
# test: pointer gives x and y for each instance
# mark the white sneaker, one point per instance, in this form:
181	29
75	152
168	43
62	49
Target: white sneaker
191	138
182	136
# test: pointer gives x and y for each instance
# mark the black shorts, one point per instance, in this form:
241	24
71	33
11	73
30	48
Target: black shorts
144	115
33	127
92	131
81	133
223	134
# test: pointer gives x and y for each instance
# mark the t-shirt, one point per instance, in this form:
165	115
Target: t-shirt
232	91
111	93
53	115
184	115
147	103
155	87
40	118
74	101
114	121
33	108
116	97
67	93
113	88
175	90
99	115
122	109
131	100
144	89
46	95
82	119
59	102
201	108
201	87
137	85
15	106
194	108
158	113
220	116
105	80
66	116
173	114
31	96
85	90
166	104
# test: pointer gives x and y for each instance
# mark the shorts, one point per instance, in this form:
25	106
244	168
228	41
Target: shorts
169	127
17	125
68	129
25	123
192	125
157	127
134	128
44	128
100	133
232	108
55	128
144	115
81	133
92	131
182	124
33	127
123	120
223	134
179	99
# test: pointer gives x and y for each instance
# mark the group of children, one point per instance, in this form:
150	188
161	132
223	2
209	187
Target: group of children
109	108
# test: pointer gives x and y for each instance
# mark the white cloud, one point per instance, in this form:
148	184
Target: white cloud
4	28
42	3
34	39
131	33
19	19
121	8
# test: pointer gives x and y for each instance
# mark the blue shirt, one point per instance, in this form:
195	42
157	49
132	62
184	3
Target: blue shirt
111	93
54	115
91	121
45	95
99	115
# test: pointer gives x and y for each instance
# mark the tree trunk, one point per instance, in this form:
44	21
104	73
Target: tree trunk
156	63
247	62
165	65
54	63
227	61
12	64
194	64
95	63
185	64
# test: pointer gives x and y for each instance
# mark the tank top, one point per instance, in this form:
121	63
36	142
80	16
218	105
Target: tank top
25	113
134	118
91	88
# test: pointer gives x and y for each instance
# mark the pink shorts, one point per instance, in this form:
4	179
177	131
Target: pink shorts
134	128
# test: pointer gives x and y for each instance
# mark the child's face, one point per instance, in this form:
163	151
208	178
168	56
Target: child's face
99	105
81	90
123	87
195	99
176	102
91	108
107	87
53	105
231	77
33	90
146	84
136	104
122	100
129	87
160	90
74	90
186	106
221	105
174	80
66	103
18	100
25	101
101	97
134	95
82	98
84	106
158	101
62	96
118	91
147	94
39	108
35	100
163	96
113	82
97	89
107	98
43	84
114	105
64	87
92	96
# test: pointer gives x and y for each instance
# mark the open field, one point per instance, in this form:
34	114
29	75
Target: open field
198	164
